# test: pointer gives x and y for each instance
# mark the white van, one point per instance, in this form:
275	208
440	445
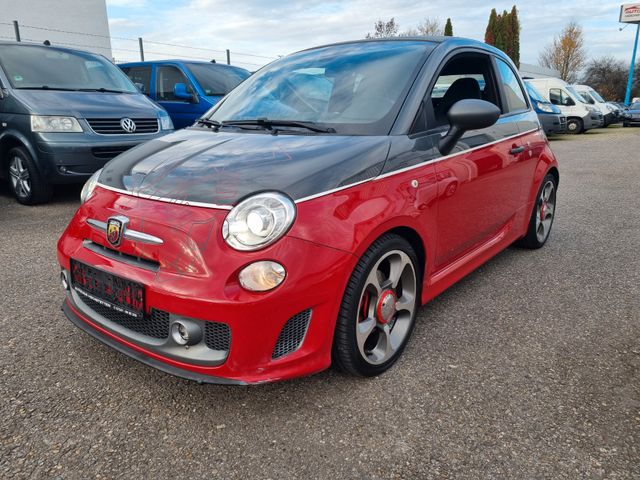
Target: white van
580	115
594	98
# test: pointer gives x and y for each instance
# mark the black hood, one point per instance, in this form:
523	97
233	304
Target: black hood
87	104
200	166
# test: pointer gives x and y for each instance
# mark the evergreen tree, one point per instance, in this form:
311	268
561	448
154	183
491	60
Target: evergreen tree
490	33
515	36
448	29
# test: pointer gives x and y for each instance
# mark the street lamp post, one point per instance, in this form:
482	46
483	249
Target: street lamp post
627	97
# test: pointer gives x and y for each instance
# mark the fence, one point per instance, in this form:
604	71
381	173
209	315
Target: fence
127	47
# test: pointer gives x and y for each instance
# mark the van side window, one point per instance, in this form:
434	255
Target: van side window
141	76
465	76
560	97
167	77
514	95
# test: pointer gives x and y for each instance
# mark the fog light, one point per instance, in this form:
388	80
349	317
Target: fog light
63	280
261	276
186	333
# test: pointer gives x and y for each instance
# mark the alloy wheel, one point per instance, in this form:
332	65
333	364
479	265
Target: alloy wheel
545	211
386	308
20	178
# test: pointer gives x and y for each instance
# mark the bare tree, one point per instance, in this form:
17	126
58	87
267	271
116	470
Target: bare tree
566	53
608	76
384	29
430	27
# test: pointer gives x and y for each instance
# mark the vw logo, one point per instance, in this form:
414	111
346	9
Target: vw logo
128	125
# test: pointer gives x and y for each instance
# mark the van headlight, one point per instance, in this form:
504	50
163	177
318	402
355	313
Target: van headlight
258	221
545	108
165	120
54	124
89	187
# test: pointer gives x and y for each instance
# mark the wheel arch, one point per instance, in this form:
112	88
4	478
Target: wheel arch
10	140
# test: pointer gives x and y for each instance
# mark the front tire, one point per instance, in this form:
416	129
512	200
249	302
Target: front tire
25	180
542	216
574	126
378	308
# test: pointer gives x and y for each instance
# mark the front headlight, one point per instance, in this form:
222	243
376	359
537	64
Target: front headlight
54	124
545	108
165	121
89	187
258	221
591	109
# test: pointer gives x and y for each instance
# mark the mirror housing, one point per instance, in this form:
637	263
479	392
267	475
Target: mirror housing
181	92
569	102
465	115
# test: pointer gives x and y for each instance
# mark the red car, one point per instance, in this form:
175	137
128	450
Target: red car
303	221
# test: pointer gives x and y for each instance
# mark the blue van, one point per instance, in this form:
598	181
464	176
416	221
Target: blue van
184	88
550	116
63	114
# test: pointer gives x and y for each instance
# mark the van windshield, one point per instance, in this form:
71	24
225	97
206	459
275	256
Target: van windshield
597	96
217	79
353	88
47	68
534	94
577	96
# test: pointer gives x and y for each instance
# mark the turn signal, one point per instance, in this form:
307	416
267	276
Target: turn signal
261	276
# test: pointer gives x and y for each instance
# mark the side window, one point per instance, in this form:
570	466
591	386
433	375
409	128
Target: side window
141	76
167	77
514	95
560	97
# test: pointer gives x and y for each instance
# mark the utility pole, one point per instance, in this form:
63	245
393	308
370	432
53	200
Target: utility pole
228	57
627	98
141	49
16	29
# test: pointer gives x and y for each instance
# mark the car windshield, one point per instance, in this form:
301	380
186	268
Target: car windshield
577	96
353	88
596	96
534	94
634	106
42	67
217	79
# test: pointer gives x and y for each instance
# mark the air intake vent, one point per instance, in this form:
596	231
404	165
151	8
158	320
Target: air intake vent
292	334
217	336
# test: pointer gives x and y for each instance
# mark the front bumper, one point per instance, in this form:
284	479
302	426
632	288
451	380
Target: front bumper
73	157
553	123
197	279
593	120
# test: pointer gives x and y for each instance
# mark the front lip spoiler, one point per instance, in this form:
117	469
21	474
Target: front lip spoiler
178	372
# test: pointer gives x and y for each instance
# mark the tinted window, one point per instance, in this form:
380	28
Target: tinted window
35	67
140	76
217	79
167	77
355	88
515	97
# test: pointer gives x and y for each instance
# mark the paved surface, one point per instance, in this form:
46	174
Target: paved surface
529	368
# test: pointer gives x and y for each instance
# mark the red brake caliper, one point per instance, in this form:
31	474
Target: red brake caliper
365	306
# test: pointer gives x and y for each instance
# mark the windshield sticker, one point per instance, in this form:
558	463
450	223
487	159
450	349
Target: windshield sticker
18	78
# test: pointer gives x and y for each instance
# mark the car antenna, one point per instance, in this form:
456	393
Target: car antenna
213	60
47	43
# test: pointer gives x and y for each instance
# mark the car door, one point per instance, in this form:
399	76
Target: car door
182	112
477	186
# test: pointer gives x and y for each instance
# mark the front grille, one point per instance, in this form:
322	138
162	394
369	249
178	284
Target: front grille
121	256
107	153
292	334
217	336
111	126
155	324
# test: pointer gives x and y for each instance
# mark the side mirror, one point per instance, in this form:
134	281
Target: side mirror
181	92
568	102
464	115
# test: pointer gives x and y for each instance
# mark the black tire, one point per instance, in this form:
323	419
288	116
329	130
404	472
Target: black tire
25	180
346	354
574	126
533	239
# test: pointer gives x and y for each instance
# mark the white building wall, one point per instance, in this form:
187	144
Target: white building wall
536	71
52	20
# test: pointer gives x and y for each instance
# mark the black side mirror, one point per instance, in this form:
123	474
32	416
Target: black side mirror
464	115
568	102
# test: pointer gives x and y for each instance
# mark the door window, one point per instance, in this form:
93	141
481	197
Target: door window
560	97
168	76
514	96
141	76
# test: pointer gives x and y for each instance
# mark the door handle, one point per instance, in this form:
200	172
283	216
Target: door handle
516	150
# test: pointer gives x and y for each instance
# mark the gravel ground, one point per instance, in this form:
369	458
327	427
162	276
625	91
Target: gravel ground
528	368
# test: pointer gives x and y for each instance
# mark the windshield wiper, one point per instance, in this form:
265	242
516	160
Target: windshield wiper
101	89
47	87
269	124
214	124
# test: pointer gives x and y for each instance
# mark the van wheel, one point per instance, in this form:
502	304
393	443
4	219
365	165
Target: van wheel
544	211
378	308
574	126
25	180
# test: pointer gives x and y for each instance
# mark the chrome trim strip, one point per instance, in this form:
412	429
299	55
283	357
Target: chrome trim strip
123	134
129	234
164	199
320	194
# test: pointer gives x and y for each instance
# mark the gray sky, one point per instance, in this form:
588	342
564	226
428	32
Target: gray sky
272	28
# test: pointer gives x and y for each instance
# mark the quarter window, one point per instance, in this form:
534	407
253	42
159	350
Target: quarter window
167	78
515	98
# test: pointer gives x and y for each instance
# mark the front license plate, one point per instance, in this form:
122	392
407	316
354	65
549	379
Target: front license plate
111	291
